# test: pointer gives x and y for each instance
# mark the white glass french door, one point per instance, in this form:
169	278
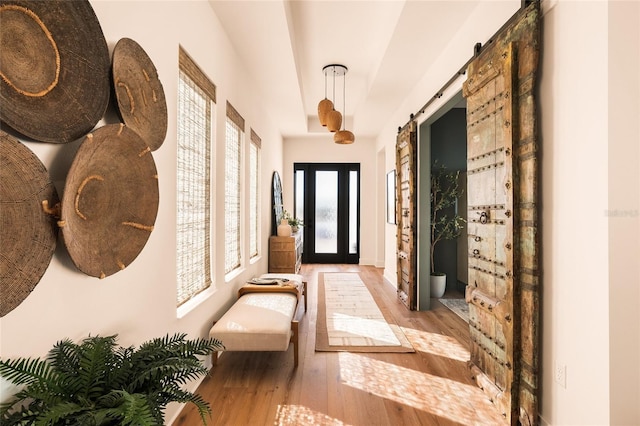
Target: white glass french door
327	198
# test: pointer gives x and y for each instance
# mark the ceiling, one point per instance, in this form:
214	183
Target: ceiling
387	46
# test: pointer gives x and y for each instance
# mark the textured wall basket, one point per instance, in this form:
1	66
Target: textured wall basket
111	200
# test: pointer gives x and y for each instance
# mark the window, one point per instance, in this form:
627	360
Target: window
232	189
254	194
196	102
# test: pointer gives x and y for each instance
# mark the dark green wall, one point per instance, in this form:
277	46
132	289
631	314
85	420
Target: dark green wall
449	147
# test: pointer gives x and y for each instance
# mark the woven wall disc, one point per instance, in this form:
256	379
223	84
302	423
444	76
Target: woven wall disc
110	201
28	237
54	65
139	92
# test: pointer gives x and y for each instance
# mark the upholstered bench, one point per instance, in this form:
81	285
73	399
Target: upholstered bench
297	278
263	317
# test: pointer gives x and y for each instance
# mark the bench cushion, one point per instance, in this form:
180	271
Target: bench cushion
257	322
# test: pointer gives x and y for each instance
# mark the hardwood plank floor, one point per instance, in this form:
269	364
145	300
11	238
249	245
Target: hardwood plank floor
432	386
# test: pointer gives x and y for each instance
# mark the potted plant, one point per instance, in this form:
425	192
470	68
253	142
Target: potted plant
446	223
97	382
293	221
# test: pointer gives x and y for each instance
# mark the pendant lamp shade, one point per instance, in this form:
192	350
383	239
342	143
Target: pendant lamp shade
324	107
334	120
328	115
344	137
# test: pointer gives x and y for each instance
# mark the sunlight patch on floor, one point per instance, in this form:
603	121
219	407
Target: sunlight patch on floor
437	344
353	330
289	415
353	316
443	397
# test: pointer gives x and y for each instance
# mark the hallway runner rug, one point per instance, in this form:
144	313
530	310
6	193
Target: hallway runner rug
349	319
459	306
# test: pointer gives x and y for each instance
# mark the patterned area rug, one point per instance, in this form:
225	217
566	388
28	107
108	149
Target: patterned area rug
459	306
349	319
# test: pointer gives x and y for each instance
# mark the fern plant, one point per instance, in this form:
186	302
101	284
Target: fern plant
98	382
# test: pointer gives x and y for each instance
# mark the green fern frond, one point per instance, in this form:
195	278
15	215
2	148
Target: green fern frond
204	408
165	342
21	415
95	358
170	369
64	356
128	409
25	371
98	383
60	413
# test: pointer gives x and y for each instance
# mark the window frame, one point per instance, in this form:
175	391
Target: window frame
255	146
189	294
233	242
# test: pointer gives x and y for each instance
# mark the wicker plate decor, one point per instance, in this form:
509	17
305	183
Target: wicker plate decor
110	201
139	92
54	68
28	237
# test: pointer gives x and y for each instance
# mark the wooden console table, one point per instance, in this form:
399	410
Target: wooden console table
285	253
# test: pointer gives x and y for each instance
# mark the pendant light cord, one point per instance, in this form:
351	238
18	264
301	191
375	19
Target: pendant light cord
334	85
344	101
325	84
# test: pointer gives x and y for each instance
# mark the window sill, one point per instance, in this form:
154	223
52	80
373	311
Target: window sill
233	274
188	306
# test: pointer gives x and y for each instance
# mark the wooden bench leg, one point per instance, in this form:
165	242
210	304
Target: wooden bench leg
304	292
214	355
294	339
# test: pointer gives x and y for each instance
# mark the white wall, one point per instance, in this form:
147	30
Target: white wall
575	268
590	193
624	211
324	150
139	303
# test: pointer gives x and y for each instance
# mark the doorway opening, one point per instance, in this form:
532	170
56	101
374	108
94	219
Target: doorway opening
443	138
327	198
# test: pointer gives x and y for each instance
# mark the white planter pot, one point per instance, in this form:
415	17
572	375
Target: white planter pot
438	285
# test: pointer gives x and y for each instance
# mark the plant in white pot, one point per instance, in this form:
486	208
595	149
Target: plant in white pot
446	223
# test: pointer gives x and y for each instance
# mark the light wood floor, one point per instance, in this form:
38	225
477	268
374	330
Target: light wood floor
432	386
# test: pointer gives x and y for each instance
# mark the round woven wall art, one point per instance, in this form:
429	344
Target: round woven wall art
54	69
139	92
28	237
110	201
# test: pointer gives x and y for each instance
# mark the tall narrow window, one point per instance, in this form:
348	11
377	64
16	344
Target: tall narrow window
196	103
232	189
254	194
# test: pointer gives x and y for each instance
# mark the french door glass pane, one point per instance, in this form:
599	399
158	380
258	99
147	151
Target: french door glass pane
353	212
299	195
326	212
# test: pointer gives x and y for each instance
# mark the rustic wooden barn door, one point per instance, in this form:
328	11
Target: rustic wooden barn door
406	212
502	222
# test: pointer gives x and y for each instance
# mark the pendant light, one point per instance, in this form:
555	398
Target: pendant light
334	118
344	137
325	105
